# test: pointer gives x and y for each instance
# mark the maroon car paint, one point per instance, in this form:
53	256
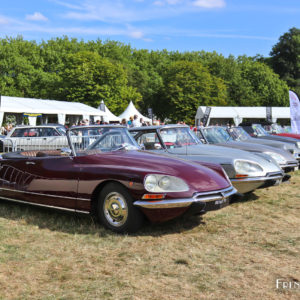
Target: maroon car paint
69	182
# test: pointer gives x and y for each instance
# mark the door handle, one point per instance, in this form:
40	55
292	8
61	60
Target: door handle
30	163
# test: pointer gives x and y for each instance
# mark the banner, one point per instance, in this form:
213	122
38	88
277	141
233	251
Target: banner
269	114
295	112
206	116
32	115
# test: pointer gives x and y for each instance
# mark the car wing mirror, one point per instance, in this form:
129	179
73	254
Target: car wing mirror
65	151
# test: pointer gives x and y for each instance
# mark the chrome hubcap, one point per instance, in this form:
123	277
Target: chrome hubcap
115	209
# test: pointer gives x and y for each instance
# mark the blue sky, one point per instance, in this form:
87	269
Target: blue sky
235	27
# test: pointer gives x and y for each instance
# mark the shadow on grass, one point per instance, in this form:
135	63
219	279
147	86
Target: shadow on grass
78	223
244	198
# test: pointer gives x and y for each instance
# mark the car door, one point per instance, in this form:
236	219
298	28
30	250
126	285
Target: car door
48	181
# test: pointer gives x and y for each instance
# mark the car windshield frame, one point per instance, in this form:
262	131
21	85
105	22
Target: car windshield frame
216	135
87	140
259	130
240	134
176	141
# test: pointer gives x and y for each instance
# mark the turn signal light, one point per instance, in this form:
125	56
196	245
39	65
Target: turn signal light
241	175
153	196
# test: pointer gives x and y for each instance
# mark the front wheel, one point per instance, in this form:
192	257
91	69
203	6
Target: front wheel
116	211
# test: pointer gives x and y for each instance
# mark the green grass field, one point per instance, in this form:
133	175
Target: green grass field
234	253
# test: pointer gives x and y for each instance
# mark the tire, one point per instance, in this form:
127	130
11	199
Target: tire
111	198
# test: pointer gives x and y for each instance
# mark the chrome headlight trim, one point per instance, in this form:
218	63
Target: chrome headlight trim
249	168
160	183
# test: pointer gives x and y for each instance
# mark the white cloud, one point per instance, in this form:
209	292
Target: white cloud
209	3
37	16
3	20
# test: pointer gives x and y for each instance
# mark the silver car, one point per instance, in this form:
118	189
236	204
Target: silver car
246	171
44	137
219	136
239	134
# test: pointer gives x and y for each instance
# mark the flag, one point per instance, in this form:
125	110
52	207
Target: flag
295	112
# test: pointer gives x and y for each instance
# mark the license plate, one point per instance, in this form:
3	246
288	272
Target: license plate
221	202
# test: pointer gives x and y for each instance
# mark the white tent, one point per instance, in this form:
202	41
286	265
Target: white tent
238	113
17	105
108	115
130	111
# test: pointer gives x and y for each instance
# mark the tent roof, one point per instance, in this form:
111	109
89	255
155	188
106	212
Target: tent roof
108	115
30	105
130	111
223	112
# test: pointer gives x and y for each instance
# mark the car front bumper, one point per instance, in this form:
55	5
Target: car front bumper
290	167
249	184
208	201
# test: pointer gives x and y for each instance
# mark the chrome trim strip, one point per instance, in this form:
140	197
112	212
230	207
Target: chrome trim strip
40	194
44	205
197	198
257	179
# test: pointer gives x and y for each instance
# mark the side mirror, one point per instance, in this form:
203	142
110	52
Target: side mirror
65	151
203	141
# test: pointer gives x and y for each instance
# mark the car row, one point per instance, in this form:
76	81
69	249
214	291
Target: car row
124	178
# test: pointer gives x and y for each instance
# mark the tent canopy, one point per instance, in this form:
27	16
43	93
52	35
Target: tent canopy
17	105
108	115
130	111
238	113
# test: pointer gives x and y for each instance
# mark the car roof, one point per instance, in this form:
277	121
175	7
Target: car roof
96	126
142	128
39	126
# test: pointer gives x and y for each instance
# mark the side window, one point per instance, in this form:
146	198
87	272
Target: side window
150	141
19	132
33	132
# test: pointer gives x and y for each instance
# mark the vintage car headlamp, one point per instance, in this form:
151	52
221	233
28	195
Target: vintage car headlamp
248	168
157	183
277	157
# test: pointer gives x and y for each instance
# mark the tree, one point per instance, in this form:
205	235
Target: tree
285	58
89	78
186	86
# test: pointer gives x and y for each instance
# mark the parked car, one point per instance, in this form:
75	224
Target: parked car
219	136
257	131
239	134
34	138
276	129
104	173
246	171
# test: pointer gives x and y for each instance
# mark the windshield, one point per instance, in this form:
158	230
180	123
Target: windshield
215	135
178	137
259	130
239	134
97	139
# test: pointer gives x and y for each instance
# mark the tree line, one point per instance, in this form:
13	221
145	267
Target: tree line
172	83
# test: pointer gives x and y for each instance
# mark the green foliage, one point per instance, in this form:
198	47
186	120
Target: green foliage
285	58
186	86
174	84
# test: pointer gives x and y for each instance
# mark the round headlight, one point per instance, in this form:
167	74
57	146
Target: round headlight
277	157
151	183
164	182
157	183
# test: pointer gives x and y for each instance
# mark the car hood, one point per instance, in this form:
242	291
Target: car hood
271	143
222	155
131	163
257	148
279	138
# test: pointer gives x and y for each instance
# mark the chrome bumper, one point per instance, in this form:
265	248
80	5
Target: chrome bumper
246	185
218	196
290	167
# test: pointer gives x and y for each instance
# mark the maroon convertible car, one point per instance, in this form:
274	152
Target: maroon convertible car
104	173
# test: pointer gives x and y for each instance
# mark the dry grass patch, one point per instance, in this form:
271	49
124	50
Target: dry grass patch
234	253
